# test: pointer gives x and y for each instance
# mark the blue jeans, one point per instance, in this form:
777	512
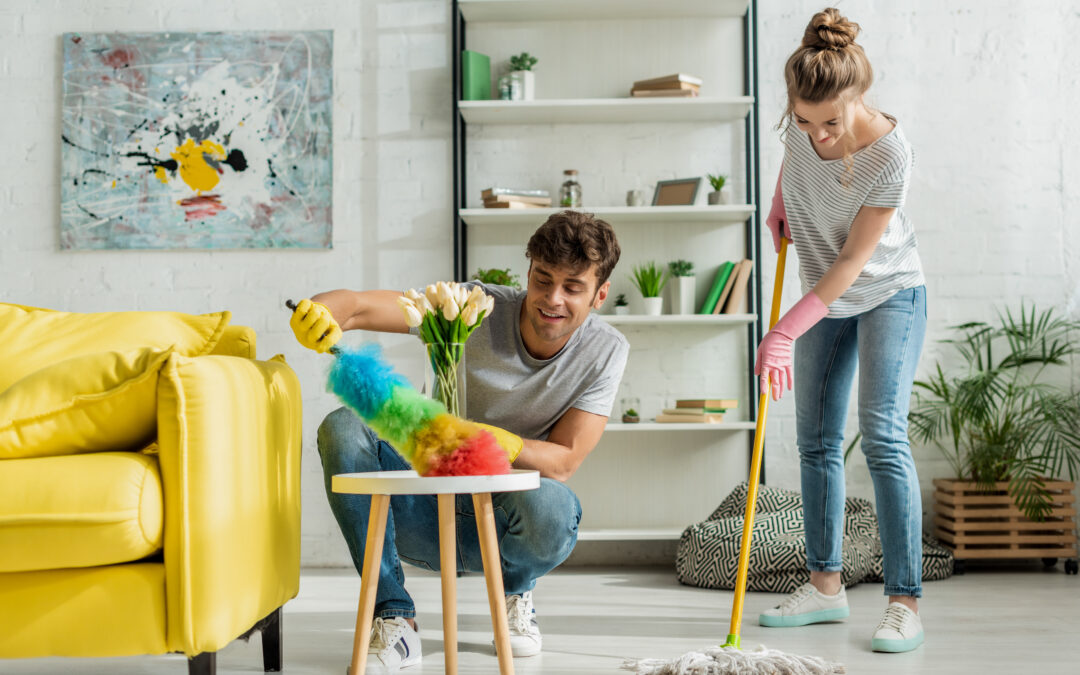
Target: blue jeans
536	529
885	343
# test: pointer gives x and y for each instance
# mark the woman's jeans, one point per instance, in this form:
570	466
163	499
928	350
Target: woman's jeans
885	343
536	529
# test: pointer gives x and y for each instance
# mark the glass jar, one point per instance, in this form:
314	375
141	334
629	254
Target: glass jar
570	192
444	375
505	91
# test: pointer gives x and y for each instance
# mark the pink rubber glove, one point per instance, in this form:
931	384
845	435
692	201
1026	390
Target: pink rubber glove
777	220
774	353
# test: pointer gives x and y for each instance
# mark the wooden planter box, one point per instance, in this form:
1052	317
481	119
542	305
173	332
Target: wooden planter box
977	524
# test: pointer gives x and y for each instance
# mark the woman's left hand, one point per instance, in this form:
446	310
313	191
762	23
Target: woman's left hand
774	363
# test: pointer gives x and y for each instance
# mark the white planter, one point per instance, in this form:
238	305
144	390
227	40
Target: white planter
726	195
622	310
653	306
682	295
528	82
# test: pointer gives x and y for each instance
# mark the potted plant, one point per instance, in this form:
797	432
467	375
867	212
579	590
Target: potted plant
631	416
650	280
682	291
521	70
721	193
497	277
622	305
1006	429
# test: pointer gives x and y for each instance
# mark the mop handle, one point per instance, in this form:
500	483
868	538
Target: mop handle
733	639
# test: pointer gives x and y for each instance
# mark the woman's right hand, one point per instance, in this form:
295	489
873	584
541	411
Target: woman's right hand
777	220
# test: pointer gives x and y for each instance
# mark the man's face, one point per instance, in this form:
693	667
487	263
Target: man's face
558	301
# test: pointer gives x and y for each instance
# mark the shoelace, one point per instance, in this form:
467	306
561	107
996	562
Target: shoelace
519	613
801	593
895	618
383	634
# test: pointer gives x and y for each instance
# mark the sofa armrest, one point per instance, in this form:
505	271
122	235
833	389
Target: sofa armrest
236	341
229	432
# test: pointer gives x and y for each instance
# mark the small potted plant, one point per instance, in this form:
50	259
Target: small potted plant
721	193
521	71
622	305
631	416
650	280
630	404
497	277
682	291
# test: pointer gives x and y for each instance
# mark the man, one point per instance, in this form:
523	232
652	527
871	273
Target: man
540	366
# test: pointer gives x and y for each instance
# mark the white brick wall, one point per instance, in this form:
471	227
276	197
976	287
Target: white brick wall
981	88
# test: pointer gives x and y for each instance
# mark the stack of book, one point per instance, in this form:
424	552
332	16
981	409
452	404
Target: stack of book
512	198
679	84
697	410
728	292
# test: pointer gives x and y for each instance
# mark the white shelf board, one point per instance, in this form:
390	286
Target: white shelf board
674	426
577	10
606	110
630	534
677	319
651	215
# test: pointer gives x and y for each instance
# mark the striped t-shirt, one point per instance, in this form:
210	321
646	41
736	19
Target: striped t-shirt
822	198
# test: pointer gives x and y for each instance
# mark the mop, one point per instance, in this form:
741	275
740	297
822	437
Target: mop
434	442
729	659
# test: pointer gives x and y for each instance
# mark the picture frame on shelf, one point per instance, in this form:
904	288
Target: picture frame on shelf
677	192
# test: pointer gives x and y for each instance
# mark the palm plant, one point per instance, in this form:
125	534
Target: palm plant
649	279
1000	420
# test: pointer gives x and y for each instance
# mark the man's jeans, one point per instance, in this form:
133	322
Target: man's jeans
537	529
885	343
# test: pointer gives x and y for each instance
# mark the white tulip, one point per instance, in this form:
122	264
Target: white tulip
443	293
432	295
450	309
489	305
475	295
470	314
461	295
413	295
412	314
424	305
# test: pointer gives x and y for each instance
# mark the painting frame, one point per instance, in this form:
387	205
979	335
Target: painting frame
676	192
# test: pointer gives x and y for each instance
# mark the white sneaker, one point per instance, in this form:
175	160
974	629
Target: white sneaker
900	630
394	645
805	606
525	637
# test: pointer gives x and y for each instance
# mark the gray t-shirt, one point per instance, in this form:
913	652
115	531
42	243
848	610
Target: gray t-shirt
507	387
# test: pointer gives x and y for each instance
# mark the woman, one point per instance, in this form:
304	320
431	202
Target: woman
840	200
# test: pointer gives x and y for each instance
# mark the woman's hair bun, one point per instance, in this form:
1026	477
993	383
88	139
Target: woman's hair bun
829	30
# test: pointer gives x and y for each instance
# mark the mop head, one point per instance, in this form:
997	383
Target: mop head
433	441
732	661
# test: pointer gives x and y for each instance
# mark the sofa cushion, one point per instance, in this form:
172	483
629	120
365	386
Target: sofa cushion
79	510
31	339
94	402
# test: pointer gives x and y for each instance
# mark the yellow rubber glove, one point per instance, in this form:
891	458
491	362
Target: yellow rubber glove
314	326
511	443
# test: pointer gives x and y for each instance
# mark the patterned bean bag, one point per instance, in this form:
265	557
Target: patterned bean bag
708	553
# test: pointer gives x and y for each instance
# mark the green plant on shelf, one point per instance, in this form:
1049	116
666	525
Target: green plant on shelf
630	416
649	279
716	181
681	268
523	61
497	277
621	301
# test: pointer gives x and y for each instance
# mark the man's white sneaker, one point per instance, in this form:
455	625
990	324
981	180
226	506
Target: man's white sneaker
525	637
900	630
805	606
394	645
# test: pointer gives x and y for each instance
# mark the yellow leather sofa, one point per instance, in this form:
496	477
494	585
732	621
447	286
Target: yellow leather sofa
184	536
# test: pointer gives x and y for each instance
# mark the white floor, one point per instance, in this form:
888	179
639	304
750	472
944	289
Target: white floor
1016	619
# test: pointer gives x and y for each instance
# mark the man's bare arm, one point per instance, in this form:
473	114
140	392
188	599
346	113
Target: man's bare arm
571	439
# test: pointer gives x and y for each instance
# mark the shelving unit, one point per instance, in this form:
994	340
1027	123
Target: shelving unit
622	483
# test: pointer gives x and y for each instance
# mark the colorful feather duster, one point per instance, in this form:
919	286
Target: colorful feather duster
433	441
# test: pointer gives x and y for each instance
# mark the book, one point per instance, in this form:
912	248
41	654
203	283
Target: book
475	76
672	84
710	418
738	289
663	93
498	191
707	403
722	300
676	77
511	205
693	411
540	201
719	280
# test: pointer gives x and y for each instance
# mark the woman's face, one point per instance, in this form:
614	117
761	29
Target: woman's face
826	122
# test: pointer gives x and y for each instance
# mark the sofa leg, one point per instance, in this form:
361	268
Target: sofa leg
203	664
271	641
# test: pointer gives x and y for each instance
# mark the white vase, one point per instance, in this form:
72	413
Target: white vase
653	306
682	295
528	83
726	195
622	310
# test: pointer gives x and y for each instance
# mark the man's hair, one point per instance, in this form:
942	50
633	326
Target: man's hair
576	240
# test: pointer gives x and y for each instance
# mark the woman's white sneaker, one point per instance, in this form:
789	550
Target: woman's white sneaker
900	630
805	606
394	645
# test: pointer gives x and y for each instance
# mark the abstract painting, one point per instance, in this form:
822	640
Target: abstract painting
197	140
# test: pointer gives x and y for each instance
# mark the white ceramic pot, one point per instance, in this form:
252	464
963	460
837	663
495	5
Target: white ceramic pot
622	310
726	195
682	295
528	82
653	306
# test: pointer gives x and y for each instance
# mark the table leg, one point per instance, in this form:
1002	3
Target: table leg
369	581
448	566
489	551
